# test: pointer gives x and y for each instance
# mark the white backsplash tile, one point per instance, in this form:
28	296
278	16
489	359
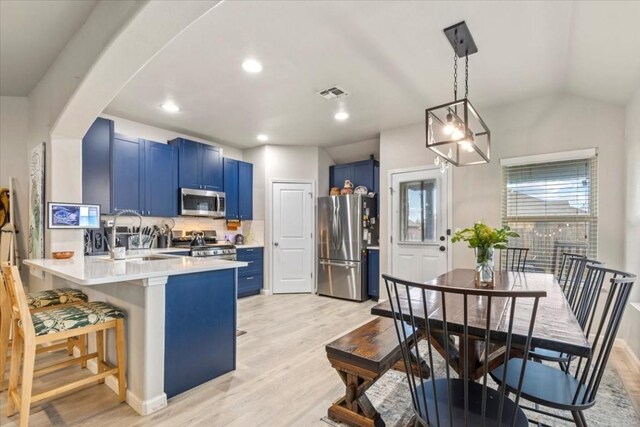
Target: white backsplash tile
252	230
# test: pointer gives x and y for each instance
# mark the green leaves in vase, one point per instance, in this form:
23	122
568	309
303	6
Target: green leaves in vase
482	236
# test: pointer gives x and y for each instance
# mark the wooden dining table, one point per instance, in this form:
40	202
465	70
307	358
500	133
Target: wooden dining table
556	327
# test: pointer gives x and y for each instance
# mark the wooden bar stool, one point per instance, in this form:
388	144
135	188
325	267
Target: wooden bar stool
37	301
41	327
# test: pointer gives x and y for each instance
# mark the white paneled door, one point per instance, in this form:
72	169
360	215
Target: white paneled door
419	223
292	237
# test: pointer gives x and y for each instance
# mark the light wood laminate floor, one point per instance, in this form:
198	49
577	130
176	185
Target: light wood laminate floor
282	378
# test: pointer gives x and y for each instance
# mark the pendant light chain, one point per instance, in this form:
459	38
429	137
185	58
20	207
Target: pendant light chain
455	76
466	77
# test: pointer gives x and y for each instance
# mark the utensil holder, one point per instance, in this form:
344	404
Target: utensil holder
136	243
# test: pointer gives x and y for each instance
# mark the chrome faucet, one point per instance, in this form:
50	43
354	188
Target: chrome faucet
113	230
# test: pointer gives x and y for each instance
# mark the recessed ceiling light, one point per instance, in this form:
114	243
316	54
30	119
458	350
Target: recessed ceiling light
342	115
170	107
262	137
251	66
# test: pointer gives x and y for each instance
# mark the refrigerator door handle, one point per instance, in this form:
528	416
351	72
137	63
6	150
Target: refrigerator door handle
339	221
334	229
335	264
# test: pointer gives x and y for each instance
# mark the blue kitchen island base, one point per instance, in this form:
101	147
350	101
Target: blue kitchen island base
200	329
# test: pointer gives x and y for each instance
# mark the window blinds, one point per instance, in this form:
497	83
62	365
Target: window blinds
553	206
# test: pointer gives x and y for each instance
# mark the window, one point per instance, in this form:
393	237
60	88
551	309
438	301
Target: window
553	206
418	211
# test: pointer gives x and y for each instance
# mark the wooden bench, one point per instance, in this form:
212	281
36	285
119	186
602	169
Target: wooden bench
361	357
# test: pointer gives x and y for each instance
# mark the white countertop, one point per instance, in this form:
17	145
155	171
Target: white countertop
249	246
96	270
373	248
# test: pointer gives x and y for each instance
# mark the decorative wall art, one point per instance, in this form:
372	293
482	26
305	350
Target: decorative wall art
36	202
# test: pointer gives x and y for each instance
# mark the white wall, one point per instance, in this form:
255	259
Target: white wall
542	125
281	162
14	122
141	130
631	324
356	151
324	162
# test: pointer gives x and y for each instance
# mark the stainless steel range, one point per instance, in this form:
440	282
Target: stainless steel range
203	244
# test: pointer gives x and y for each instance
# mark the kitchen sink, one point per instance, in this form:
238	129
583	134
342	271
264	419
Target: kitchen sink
149	258
139	259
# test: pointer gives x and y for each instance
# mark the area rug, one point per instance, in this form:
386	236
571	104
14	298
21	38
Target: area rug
390	396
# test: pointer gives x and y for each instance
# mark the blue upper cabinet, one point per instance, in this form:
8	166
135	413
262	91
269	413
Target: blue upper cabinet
231	188
188	163
96	165
238	187
245	190
340	173
161	179
363	174
366	173
211	167
144	176
127	173
199	165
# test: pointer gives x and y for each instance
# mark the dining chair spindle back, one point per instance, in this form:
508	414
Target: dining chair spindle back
513	259
443	400
600	314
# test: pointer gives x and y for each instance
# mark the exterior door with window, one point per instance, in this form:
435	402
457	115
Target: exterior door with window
419	212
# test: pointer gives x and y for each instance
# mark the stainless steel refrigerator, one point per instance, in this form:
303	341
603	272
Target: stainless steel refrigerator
346	226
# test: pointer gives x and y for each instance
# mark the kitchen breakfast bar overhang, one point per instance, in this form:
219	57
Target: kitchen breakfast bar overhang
181	318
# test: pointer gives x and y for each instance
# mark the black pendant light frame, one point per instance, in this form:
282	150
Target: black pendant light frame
461	111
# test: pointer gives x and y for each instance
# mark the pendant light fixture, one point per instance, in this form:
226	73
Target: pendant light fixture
455	130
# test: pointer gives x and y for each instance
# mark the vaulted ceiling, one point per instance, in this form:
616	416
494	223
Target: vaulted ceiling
32	34
390	55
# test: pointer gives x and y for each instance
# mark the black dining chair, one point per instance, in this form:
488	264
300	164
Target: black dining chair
572	284
513	259
443	400
569	269
575	391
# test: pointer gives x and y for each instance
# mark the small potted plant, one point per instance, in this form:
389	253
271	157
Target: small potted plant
484	239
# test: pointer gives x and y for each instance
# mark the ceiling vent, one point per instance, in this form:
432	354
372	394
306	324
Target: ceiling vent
333	93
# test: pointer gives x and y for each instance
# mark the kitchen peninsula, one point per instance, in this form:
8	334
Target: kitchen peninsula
181	317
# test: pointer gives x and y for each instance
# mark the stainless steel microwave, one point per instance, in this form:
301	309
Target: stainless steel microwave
202	203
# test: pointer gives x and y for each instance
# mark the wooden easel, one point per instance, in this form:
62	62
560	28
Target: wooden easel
8	247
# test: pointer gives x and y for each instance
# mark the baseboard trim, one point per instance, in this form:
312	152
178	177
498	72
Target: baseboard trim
142	407
265	292
622	344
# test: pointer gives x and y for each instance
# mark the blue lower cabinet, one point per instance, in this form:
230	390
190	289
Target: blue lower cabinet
249	285
251	277
200	329
374	274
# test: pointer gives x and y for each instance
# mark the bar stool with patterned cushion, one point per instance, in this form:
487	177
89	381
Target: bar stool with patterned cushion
41	327
53	297
37	301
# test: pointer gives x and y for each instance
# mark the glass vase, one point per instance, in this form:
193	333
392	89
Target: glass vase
484	267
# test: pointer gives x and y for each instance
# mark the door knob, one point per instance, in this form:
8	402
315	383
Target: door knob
442	238
275	244
442	249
